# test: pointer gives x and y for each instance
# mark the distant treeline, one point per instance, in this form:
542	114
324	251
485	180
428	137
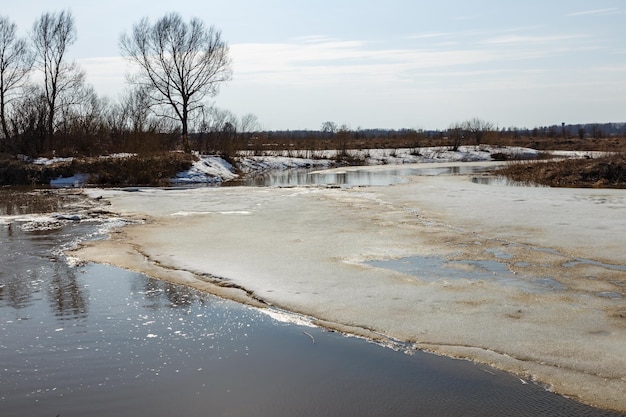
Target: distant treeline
109	128
587	130
602	136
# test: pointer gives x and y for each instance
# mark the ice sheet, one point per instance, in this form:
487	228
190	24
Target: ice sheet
305	250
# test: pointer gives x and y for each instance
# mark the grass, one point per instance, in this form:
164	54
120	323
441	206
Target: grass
602	172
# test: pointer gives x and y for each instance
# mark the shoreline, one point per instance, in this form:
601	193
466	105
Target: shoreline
255	241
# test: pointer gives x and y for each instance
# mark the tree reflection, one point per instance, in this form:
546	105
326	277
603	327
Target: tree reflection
17	202
17	281
31	269
159	294
66	296
14	291
30	265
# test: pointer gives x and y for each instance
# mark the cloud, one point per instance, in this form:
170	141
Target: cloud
610	10
319	59
106	74
307	62
519	39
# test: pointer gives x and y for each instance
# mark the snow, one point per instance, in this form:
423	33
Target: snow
50	161
208	169
307	250
77	180
259	164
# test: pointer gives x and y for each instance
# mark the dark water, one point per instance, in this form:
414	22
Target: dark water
94	340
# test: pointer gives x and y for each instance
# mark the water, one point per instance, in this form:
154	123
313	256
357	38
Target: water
17	201
438	268
99	341
502	181
349	177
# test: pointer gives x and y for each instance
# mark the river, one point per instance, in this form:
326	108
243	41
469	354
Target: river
89	339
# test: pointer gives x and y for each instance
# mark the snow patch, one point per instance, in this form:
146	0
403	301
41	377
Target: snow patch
50	161
206	170
287	317
189	213
75	181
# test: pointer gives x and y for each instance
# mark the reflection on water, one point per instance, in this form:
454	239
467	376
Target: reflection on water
30	270
350	177
27	201
95	340
502	180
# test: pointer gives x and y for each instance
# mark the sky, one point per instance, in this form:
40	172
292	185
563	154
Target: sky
383	64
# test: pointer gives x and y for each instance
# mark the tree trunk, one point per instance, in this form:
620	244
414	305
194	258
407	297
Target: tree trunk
3	120
185	135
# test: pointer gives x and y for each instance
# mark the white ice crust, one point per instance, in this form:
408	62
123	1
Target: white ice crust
304	249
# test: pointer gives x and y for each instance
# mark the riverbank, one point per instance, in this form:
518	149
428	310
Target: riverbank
527	166
524	302
175	168
605	171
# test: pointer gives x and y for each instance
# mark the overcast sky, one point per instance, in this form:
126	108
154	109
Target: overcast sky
388	64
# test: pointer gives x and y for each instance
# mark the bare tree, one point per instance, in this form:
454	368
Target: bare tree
249	123
16	61
52	34
224	130
181	64
87	116
30	121
456	136
136	105
477	128
329	128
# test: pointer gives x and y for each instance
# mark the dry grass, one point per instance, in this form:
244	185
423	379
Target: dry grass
155	170
603	172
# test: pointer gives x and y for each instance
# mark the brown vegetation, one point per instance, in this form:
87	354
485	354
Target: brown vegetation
155	169
603	172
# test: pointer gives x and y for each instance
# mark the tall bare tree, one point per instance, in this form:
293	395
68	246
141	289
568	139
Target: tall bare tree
52	34
16	61
456	136
477	128
181	64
